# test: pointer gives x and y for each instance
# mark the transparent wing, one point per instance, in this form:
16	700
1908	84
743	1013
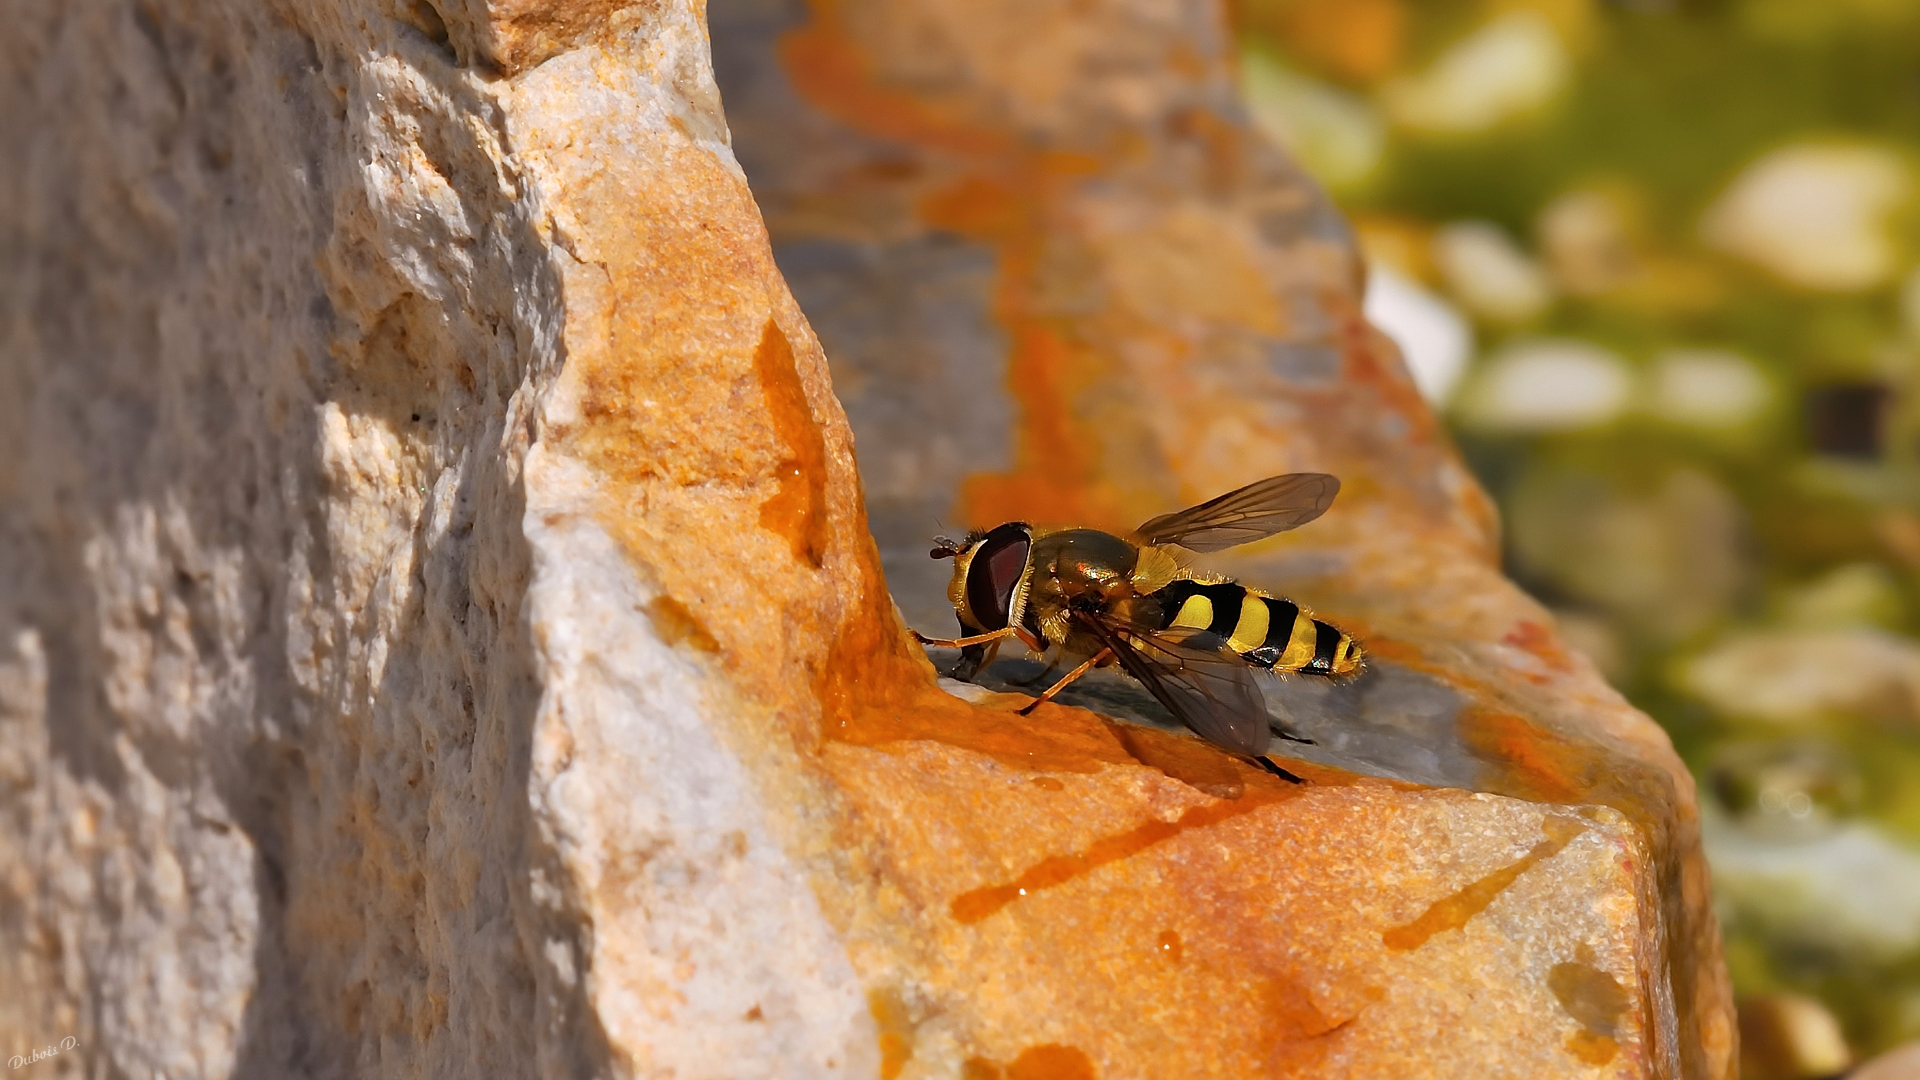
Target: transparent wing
1202	682
1254	512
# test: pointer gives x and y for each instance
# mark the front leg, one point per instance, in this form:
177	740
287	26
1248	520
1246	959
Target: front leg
976	650
973	659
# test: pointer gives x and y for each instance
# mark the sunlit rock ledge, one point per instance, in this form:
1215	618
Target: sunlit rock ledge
442	633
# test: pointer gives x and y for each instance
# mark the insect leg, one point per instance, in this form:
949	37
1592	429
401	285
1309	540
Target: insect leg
1276	770
1070	676
993	652
960	642
974	659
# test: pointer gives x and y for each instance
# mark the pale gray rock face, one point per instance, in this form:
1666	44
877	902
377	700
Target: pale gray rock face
270	684
281	670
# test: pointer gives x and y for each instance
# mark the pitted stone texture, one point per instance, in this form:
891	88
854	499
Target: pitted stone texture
275	312
277	697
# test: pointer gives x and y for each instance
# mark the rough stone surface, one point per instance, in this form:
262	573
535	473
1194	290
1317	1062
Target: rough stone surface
1058	279
440	632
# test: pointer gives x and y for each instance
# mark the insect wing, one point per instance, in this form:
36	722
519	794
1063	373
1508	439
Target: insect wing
1251	513
1202	682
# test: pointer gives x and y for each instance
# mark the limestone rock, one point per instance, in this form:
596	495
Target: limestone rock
440	631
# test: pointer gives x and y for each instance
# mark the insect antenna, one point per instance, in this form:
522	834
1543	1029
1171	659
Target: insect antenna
944	547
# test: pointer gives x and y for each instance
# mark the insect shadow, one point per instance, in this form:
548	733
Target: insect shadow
1391	722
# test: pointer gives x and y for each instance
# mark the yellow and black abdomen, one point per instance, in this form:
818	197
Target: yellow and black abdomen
1265	630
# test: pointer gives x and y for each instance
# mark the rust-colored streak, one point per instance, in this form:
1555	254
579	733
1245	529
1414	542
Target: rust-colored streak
677	625
999	197
1055	478
895	1051
1535	763
976	904
1592	1049
828	70
1170	947
1539	639
1291	1013
980	1069
798	510
1452	912
1051	1061
896	1031
1529	760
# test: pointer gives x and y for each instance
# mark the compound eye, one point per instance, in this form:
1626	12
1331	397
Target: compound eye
994	572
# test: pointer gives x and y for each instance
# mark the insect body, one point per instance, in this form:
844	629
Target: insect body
1193	640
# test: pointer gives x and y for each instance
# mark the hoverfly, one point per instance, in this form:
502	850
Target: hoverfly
1193	640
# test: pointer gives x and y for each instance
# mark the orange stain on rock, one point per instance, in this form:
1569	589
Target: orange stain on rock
1453	912
1540	640
1055	477
1170	947
1591	1048
896	1031
678	625
798	510
1051	1061
975	1068
1054	480
829	70
998	200
1291	1014
1533	763
981	207
972	906
1048	1061
1525	760
1296	1030
1528	760
1054	739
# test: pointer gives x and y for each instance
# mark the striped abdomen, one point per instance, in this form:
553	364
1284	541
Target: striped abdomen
1265	630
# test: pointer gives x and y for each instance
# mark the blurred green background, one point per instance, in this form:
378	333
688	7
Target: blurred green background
1659	265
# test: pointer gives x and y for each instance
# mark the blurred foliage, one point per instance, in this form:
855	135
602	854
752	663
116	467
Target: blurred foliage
1684	237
